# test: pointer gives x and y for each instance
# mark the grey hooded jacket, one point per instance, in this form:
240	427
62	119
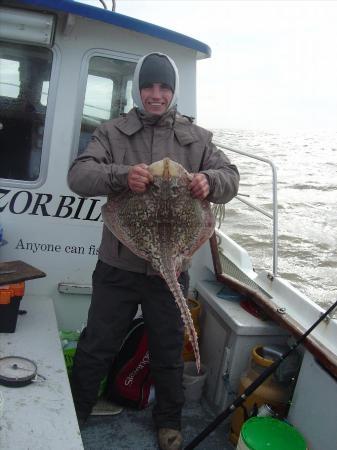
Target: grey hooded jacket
139	138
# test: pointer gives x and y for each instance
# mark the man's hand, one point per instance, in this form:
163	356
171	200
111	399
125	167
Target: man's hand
199	186
139	177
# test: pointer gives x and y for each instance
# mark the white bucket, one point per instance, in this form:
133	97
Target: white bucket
193	381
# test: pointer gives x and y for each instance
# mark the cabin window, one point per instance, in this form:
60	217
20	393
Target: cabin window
107	95
98	97
24	77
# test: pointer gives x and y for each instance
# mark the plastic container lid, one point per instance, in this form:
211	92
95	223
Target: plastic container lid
267	433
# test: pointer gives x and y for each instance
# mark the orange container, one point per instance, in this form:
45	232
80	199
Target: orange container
18	289
6	293
10	298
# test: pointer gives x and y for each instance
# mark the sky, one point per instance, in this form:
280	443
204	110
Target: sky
273	63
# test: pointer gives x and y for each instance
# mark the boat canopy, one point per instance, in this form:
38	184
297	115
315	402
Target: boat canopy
123	21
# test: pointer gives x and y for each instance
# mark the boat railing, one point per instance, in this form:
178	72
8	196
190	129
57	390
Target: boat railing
271	215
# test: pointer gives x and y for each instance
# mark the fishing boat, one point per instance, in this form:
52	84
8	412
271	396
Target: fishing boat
65	68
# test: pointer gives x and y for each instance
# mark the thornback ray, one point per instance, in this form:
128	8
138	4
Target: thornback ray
164	226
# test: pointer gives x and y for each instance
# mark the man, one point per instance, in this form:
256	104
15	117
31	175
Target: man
117	158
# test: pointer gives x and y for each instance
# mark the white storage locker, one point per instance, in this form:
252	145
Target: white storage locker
228	335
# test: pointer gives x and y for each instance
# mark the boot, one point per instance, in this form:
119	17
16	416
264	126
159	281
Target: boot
169	439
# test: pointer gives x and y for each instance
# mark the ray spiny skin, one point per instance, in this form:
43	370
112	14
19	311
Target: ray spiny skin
165	226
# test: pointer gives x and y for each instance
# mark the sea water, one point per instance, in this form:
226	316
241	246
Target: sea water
307	206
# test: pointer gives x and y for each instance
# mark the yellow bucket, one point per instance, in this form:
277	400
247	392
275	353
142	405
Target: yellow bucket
271	392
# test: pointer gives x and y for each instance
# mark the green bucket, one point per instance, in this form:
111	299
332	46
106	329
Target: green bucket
267	433
69	341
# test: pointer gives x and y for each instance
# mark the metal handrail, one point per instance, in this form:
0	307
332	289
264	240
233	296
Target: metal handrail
274	215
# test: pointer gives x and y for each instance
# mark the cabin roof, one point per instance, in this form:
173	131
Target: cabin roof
123	21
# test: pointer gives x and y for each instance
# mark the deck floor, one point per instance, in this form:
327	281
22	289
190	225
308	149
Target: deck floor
133	430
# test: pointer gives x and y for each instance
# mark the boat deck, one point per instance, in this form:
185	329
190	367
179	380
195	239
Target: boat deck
133	429
50	404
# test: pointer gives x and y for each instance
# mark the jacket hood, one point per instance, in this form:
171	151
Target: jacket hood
135	85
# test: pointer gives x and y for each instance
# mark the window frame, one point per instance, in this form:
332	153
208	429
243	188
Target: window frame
48	125
84	70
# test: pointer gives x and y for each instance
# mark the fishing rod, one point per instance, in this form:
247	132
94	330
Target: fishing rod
255	384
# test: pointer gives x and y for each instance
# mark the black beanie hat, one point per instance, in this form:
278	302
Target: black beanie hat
157	69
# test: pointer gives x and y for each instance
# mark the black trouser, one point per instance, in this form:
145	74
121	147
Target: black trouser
115	298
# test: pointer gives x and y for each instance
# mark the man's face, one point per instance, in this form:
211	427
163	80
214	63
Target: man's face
156	98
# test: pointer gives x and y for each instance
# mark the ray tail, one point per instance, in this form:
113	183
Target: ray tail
170	277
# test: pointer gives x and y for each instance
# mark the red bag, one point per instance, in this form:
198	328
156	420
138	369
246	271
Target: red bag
129	381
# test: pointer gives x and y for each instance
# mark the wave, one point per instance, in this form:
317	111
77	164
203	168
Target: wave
328	264
303	186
